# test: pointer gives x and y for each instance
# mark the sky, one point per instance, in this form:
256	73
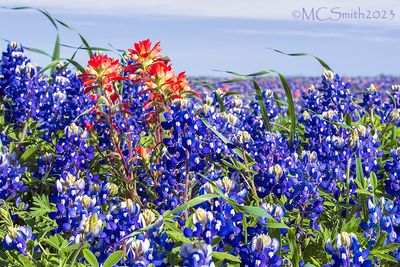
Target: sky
203	36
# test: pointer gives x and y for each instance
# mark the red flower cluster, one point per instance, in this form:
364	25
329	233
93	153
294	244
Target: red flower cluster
102	71
156	72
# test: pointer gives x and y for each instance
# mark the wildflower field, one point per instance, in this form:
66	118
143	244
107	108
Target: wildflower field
120	161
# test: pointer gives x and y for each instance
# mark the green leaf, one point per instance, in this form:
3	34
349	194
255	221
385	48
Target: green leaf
71	248
193	202
41	206
28	154
86	44
262	213
13	148
225	256
276	225
113	259
90	257
294	249
386	257
263	108
380	241
359	172
352	225
25	261
374	181
348	119
386	249
364	192
51	65
288	93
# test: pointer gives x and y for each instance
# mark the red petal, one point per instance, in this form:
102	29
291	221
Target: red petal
90	81
147	104
196	94
114	97
89	89
118	78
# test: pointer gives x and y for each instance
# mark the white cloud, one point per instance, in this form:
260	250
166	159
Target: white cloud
368	36
253	9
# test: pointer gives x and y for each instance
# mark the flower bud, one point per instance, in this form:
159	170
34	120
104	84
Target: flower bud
306	115
329	75
277	170
394	115
148	216
202	216
261	242
85	200
112	189
243	137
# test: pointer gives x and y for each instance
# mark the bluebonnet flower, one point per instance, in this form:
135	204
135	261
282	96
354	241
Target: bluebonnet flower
383	217
347	252
196	255
62	103
17	238
11	184
262	251
392	184
20	85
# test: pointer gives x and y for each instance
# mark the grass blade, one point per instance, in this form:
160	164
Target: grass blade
56	52
263	108
286	88
218	95
323	63
291	109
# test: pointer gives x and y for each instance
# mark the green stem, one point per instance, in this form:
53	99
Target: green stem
348	186
76	253
25	130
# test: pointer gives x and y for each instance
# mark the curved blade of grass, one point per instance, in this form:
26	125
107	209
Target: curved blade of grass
230	94
51	65
56	52
84	41
323	63
291	110
43	11
116	49
54	22
88	49
286	88
193	202
54	63
76	65
36	50
237	151
218	95
263	108
31	49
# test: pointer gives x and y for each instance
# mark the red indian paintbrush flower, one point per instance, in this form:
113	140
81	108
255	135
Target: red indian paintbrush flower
144	152
101	72
144	52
